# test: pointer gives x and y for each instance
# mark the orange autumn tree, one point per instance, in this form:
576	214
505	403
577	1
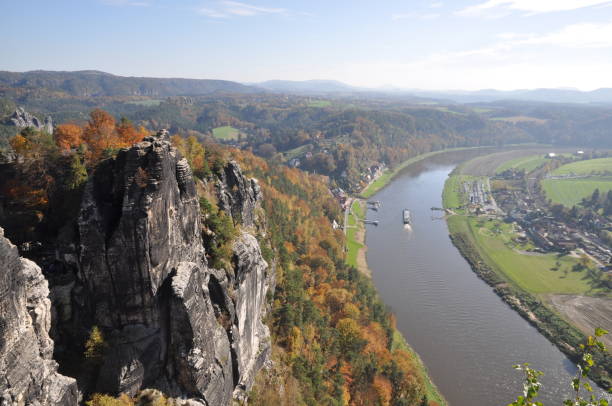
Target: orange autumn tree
128	134
102	134
99	133
68	136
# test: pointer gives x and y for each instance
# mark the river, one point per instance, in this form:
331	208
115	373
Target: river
466	335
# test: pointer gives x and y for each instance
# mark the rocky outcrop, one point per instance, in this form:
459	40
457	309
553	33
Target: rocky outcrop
171	322
22	119
28	375
252	337
238	196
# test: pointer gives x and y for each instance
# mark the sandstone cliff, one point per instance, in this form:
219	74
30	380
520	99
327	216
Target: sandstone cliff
28	375
22	119
140	274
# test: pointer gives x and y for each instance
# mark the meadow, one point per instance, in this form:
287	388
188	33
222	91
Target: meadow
319	103
226	133
528	163
570	192
533	272
587	167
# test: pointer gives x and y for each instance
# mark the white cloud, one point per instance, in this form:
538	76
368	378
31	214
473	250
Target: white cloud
522	60
436	4
578	36
427	16
512	35
529	6
229	8
243	9
582	35
208	12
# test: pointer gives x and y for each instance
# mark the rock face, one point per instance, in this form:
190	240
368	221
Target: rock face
22	119
238	195
171	322
28	375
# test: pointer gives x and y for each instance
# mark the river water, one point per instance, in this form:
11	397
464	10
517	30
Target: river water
466	335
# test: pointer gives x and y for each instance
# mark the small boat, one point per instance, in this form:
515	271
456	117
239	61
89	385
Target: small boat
407	218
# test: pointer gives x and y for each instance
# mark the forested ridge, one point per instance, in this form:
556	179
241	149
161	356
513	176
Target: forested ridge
341	137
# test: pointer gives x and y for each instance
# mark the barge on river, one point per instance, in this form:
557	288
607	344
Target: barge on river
407	217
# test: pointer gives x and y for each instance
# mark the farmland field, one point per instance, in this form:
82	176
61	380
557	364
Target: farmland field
535	273
226	133
488	165
147	103
319	103
585	167
528	163
570	192
520	119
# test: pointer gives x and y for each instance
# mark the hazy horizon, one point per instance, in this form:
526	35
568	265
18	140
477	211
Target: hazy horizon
462	45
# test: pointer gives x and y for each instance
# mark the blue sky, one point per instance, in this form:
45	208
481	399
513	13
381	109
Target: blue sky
465	44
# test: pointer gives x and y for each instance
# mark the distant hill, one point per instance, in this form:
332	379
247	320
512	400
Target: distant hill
601	96
95	83
91	83
306	86
561	95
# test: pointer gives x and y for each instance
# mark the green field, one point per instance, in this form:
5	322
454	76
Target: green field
528	163
353	246
147	103
226	133
534	273
295	152
319	103
481	110
570	192
585	167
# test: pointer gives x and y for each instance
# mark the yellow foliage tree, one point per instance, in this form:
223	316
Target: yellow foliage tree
20	145
99	399
95	346
384	389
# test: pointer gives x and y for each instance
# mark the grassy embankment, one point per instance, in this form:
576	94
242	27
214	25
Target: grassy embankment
355	225
570	192
528	163
522	279
226	133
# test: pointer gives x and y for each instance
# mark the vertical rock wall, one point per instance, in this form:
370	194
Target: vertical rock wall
28	375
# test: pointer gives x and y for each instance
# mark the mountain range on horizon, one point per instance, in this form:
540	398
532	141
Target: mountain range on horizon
97	83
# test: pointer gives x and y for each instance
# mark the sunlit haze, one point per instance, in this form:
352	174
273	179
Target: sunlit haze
473	44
